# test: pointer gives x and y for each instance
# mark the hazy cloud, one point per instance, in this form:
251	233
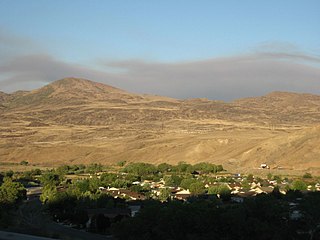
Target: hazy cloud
27	72
12	45
224	78
221	78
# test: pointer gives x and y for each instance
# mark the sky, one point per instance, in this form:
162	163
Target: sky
212	49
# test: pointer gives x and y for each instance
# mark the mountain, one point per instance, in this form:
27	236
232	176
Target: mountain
285	107
3	96
72	91
299	148
75	120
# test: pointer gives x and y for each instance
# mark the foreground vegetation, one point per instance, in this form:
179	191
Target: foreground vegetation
261	217
71	193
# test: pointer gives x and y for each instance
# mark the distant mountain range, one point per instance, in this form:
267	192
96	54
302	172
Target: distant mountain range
79	121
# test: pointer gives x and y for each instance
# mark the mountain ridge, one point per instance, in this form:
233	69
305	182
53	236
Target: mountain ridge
70	83
79	121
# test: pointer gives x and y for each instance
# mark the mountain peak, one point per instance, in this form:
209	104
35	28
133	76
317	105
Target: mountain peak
3	96
73	91
283	94
81	84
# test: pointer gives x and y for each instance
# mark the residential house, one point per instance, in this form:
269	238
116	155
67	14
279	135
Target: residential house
182	195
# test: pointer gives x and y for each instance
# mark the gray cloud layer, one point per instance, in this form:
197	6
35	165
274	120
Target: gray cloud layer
222	78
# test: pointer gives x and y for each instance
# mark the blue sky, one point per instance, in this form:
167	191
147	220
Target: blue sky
95	37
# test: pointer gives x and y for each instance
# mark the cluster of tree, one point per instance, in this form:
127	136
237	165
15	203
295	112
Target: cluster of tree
183	167
72	206
29	178
146	171
70	201
140	169
300	184
80	168
222	190
261	217
11	194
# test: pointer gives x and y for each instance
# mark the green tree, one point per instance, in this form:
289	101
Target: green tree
121	163
164	167
140	169
82	185
205	167
222	190
186	183
35	172
173	180
121	183
132	178
299	185
197	188
49	194
277	178
164	194
63	170
108	178
182	167
9	174
51	178
220	168
11	192
94	184
94	168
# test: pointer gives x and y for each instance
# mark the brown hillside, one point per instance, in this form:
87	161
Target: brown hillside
80	121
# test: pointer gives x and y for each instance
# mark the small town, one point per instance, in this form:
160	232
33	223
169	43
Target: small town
159	120
99	200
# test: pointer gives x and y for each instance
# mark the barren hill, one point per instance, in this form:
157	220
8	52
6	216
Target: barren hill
71	91
79	121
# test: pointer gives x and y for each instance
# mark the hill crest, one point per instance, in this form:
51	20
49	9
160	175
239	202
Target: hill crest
79	121
71	90
81	84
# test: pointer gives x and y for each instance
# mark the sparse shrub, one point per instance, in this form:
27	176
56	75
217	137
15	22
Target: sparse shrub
24	163
307	175
121	163
299	185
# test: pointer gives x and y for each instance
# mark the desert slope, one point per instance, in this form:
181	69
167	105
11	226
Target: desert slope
79	121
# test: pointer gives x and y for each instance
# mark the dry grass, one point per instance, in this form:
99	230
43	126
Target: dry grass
108	125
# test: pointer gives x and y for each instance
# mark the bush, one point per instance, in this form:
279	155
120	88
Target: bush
173	180
186	183
197	188
11	192
307	175
164	167
165	194
121	163
140	169
94	168
24	163
223	191
299	185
